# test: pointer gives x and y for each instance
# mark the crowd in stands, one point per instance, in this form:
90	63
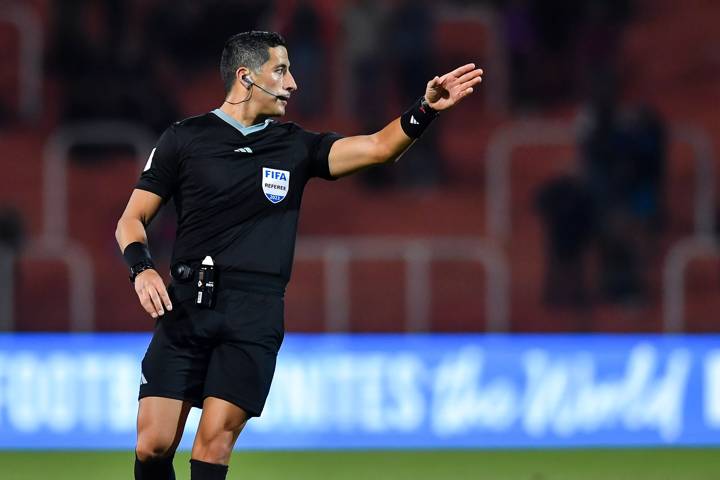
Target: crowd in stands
558	50
127	60
611	209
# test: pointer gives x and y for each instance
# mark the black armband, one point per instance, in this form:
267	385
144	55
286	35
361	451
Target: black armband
138	259
417	118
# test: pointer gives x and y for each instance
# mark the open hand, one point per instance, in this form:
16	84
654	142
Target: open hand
152	293
444	92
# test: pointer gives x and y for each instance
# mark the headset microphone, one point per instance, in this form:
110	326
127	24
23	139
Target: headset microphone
249	81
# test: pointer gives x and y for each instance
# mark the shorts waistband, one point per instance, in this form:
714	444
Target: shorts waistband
255	282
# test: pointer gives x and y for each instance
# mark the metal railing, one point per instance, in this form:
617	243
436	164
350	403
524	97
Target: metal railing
704	199
499	156
676	262
531	133
534	133
55	158
418	253
28	26
79	266
54	242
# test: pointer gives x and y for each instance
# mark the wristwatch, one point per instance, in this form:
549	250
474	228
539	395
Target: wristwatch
138	268
426	108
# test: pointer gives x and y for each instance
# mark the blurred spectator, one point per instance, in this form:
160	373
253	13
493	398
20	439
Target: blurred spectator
599	137
12	235
556	23
624	161
11	241
363	25
520	37
410	46
191	33
108	72
409	34
569	219
309	60
598	41
70	49
647	151
556	48
102	75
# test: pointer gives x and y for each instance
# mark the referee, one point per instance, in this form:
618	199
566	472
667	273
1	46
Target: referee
236	177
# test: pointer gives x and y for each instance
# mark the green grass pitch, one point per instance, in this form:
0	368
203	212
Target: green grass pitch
631	464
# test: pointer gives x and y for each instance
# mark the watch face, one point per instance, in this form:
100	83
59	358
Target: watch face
135	270
424	103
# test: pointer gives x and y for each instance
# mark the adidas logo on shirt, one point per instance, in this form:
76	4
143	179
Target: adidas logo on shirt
413	121
244	150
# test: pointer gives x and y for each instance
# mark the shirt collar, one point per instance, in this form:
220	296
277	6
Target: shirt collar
239	126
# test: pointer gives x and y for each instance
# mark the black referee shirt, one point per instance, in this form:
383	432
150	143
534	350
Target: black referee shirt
237	190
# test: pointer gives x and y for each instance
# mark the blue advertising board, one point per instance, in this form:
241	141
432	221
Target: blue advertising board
79	391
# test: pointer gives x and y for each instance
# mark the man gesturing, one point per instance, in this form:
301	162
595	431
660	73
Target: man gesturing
237	178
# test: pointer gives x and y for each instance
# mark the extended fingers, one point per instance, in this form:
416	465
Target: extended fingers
157	303
469	84
462	70
152	293
146	302
164	297
471	75
466	87
460	92
152	298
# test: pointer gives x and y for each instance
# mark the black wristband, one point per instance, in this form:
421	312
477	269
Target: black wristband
136	253
138	268
138	259
417	118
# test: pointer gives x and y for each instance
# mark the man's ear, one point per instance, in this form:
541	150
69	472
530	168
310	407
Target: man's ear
240	75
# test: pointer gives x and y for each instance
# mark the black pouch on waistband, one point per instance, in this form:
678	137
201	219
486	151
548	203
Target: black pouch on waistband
198	281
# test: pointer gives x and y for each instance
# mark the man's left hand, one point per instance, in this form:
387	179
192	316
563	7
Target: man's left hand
444	92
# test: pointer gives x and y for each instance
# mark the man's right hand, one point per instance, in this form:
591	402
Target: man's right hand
152	293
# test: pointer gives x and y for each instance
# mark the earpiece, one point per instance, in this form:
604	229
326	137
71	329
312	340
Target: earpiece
249	82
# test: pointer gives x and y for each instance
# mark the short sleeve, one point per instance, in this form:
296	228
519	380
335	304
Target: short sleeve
161	170
319	151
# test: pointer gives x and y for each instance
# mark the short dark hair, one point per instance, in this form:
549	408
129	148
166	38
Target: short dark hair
248	49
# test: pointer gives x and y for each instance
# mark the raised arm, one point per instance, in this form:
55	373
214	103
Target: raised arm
130	232
351	154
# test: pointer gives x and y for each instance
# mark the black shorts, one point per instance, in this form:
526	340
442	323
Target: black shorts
228	352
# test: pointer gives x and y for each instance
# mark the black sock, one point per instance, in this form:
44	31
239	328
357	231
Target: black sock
155	469
200	470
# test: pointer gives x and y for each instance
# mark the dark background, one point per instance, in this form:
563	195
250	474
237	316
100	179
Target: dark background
604	113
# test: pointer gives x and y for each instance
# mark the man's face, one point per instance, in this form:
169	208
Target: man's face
274	76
